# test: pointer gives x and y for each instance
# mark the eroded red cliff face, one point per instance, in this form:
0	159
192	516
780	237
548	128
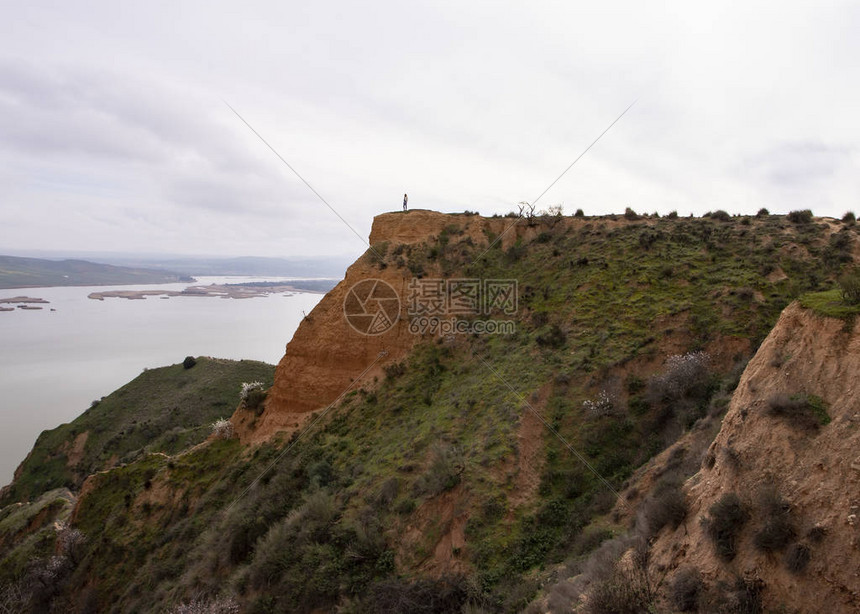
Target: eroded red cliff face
327	356
817	472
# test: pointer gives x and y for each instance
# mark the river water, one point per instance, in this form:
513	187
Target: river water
53	364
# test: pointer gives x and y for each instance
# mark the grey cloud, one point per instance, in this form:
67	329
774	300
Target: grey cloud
799	164
115	115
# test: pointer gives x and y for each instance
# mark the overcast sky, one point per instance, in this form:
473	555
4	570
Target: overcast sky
114	135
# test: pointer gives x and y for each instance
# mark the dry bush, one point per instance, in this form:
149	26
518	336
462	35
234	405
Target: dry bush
777	530
627	589
797	558
727	518
743	596
666	505
686	590
803	216
13	599
425	596
816	534
600	564
220	605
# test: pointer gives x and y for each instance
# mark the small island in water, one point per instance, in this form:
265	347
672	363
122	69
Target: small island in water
240	290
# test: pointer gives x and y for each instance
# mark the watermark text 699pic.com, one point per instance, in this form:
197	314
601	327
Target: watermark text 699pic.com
434	306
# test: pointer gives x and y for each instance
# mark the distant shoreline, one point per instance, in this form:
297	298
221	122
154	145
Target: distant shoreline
237	291
251	289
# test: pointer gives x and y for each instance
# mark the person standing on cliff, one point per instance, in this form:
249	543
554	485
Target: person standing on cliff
405	200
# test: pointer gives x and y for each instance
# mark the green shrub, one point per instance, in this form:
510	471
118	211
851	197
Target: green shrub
802	410
673	215
515	253
849	282
579	213
387	492
405	507
630	214
553	337
446	468
803	216
395	369
721	216
727	519
849	217
762	212
686	590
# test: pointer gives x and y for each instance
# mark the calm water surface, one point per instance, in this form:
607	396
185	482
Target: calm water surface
53	364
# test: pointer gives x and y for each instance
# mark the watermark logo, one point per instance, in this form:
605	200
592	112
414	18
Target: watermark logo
461	306
372	307
435	306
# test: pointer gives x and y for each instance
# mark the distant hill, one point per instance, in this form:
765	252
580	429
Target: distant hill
244	265
166	410
18	272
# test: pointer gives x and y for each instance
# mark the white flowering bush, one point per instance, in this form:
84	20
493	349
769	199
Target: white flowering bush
248	388
222	429
603	405
685	373
252	396
70	541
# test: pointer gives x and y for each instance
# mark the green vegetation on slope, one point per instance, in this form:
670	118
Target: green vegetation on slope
354	513
162	410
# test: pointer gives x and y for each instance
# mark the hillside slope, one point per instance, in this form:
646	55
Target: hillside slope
813	468
167	410
407	472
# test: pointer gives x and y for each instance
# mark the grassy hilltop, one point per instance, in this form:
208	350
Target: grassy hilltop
436	488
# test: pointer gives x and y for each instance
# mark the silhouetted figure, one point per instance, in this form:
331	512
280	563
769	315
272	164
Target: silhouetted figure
405	201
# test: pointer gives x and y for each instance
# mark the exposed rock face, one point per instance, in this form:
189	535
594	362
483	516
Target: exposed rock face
327	356
817	471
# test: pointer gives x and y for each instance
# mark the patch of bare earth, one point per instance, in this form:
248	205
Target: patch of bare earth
433	540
